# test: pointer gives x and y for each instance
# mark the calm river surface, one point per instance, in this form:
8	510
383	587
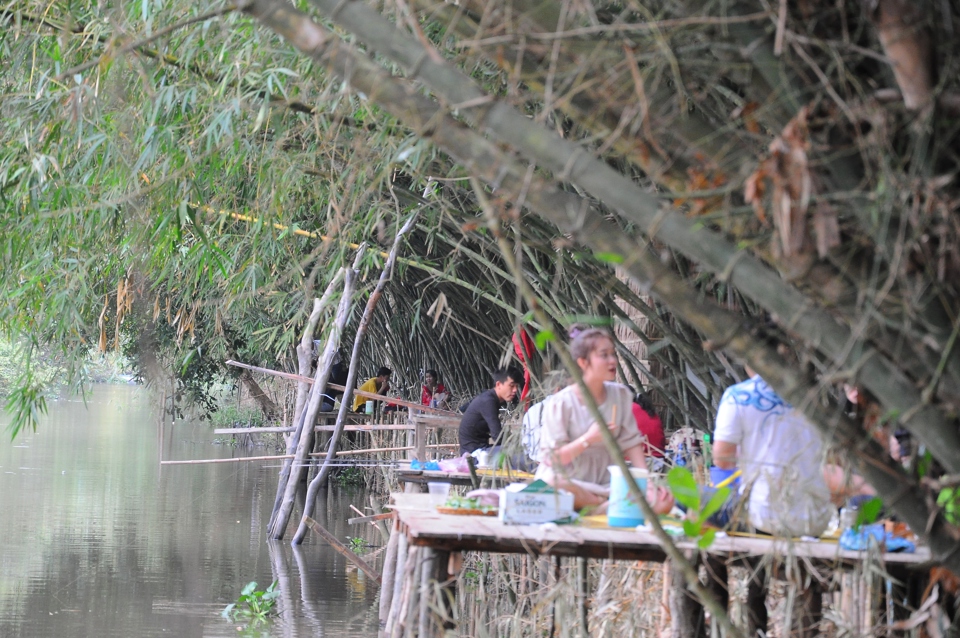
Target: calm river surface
97	540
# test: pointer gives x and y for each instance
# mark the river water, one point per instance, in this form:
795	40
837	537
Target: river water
96	539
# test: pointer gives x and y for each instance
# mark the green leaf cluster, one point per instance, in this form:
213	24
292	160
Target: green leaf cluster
253	605
684	487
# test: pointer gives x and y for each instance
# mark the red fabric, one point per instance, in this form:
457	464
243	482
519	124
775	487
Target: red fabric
426	396
652	428
523	353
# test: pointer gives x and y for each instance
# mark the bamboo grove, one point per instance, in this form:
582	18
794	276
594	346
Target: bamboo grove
777	179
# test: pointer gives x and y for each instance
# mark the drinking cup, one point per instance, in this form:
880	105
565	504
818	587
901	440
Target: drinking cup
438	493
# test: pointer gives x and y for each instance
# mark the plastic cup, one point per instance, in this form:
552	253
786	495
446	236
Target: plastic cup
369	407
438	493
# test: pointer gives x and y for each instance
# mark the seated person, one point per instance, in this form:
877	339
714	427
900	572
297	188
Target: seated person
379	384
792	492
650	426
338	375
572	452
480	426
533	419
433	390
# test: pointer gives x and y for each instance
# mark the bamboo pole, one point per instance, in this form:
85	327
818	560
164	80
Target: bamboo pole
321	478
290	477
340	547
359	393
305	348
280	457
389	571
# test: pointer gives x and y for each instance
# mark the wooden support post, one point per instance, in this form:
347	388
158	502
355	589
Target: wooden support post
399	571
685	610
420	432
810	607
717	582
436	613
582	595
389	573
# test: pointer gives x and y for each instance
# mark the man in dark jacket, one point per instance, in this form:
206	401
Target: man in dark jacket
481	420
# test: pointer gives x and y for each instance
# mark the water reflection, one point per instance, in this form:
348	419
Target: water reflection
96	541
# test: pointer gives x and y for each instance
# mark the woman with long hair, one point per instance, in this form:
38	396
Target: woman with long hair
573	454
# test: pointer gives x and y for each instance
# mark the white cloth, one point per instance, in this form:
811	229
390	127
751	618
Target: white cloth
566	417
530	430
781	456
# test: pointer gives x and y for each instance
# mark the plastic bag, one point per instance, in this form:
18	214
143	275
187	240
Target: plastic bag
867	535
458	464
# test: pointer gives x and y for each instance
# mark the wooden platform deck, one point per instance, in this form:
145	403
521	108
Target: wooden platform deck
425	527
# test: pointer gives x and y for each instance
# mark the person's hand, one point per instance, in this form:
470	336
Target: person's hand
593	436
660	499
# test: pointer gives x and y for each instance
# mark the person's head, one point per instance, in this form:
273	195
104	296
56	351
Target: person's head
431	378
643	400
575	329
504	385
595	354
383	374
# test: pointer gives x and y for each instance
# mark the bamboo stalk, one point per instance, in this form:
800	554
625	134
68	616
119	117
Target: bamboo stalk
321	478
343	549
278	457
389	571
359	393
302	439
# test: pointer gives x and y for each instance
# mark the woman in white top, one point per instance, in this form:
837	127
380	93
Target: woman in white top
572	453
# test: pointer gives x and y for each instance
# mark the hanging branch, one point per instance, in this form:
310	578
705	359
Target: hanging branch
815	325
320	480
576	216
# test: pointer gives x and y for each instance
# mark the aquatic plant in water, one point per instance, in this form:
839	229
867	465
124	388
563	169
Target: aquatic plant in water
253	605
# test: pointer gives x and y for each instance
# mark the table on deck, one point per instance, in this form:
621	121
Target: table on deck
421	526
486	476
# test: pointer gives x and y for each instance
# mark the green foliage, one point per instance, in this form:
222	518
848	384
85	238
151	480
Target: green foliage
868	512
684	488
348	477
356	544
234	416
543	337
949	500
253	605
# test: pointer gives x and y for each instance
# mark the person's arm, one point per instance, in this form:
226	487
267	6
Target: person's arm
635	456
491	415
725	455
727	434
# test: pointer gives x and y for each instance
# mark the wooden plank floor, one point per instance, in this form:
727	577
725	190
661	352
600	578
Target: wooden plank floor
425	527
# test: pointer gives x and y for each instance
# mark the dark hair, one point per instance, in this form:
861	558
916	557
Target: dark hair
645	403
586	342
433	373
384	371
500	375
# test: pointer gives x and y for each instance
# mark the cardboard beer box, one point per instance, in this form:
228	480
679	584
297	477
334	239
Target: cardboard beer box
522	504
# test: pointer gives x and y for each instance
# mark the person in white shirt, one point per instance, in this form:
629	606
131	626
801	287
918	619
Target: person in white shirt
790	490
